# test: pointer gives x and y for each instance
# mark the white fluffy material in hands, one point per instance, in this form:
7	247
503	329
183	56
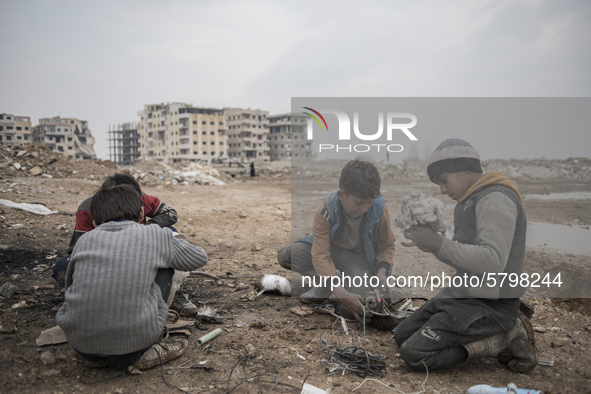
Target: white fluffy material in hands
276	283
418	208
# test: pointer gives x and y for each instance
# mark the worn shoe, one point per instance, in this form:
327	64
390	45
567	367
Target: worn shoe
162	353
516	347
284	257
316	295
182	305
522	348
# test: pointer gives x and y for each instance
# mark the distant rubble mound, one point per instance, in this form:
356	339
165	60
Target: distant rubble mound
272	169
571	168
39	160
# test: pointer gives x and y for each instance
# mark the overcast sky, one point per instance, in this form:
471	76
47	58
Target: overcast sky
101	61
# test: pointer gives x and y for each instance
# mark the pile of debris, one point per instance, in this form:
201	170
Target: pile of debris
572	168
39	160
272	169
154	173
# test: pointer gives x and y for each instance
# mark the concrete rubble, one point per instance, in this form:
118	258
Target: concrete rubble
571	168
37	160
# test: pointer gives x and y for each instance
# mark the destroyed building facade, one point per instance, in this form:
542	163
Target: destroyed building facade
124	144
70	136
247	134
173	132
287	137
15	130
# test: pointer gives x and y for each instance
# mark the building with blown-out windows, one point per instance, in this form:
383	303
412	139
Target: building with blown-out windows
15	130
247	134
70	136
173	132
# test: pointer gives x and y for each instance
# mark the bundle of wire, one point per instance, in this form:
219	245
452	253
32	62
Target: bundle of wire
351	359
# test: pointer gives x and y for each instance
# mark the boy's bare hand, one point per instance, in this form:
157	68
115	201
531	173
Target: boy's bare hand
352	302
423	237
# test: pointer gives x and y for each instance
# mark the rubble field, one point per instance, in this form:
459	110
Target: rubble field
241	224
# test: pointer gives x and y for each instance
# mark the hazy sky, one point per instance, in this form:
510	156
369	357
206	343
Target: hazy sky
101	61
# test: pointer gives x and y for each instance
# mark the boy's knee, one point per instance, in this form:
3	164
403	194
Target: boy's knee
399	337
59	270
415	358
284	257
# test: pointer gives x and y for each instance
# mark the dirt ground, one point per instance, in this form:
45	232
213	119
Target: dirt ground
261	337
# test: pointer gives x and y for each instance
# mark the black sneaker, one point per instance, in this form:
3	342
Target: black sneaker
182	305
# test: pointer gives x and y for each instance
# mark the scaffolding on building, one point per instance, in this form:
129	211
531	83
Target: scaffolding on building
124	144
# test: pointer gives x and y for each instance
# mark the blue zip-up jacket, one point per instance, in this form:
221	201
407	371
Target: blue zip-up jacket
333	212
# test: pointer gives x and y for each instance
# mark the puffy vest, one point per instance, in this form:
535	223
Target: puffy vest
370	225
465	232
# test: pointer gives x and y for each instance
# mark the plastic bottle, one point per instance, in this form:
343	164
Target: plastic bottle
486	389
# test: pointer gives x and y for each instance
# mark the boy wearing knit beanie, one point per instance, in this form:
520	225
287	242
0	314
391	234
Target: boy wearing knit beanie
475	319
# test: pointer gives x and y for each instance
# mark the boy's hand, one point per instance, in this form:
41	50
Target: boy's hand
384	288
423	237
352	302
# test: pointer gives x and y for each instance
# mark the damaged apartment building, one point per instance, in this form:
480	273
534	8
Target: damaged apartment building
173	132
247	134
69	136
124	144
287	137
14	130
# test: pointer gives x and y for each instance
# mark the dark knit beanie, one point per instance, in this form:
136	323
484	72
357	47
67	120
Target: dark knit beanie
453	155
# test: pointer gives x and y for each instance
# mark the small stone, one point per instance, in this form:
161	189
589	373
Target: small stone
17	166
47	358
250	350
8	328
51	372
35	171
21	152
46	176
18	305
7	290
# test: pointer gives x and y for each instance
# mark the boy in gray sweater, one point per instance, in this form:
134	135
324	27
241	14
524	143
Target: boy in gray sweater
118	280
467	320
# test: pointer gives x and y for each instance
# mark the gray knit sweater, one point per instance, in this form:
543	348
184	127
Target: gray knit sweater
112	305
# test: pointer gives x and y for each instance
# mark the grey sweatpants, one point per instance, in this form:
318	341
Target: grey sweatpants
435	333
350	263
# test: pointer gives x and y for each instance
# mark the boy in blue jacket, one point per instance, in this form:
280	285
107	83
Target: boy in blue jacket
352	234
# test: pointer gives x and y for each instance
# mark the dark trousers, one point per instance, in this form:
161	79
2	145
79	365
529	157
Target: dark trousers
117	360
435	333
349	263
